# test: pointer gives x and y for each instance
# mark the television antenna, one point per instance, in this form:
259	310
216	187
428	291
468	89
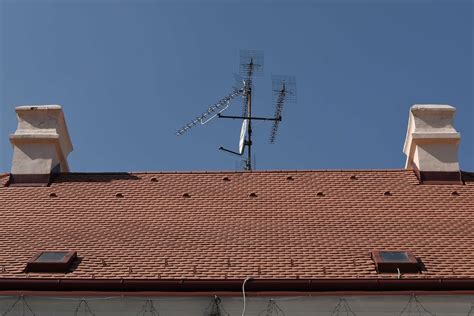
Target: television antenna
284	90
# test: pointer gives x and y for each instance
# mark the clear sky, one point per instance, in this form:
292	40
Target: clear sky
129	73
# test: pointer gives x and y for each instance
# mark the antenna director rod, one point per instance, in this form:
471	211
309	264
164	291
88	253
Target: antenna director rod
218	107
248	118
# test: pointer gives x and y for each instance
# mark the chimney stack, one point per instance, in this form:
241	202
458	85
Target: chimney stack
431	144
41	144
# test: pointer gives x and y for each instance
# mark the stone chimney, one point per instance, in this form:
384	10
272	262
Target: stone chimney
41	144
431	144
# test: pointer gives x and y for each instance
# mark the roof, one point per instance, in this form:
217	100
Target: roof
231	225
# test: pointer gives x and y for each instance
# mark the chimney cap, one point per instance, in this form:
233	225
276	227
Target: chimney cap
38	107
432	107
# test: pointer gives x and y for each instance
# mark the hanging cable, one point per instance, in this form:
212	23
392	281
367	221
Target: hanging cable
243	293
272	309
24	304
342	307
87	309
414	302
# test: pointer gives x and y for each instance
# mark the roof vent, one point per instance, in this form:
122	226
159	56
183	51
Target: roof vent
41	144
51	261
431	144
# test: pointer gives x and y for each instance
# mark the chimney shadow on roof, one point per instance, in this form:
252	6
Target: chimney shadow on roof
93	177
467	176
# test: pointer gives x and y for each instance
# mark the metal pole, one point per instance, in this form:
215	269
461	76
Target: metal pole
249	102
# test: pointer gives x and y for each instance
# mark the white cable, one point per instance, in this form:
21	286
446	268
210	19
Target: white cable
399	275
243	293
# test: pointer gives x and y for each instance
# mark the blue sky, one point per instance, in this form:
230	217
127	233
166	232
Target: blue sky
129	74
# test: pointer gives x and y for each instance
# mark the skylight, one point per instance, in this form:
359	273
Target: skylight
394	256
51	261
396	261
51	257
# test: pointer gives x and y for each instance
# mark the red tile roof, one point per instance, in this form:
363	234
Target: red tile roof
230	225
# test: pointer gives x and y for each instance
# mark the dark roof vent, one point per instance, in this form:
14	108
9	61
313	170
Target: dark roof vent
154	179
387	193
51	261
398	261
186	195
320	194
253	194
455	193
353	177
53	195
119	195
290	178
226	179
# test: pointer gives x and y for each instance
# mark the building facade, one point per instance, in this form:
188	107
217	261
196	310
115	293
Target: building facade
293	242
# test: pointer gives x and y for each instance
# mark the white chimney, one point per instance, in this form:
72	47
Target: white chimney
431	143
41	144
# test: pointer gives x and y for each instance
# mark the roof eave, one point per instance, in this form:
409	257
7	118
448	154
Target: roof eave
255	285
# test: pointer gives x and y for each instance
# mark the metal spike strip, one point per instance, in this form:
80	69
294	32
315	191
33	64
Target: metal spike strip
278	109
213	110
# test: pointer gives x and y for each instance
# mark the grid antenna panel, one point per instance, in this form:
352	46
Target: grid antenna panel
285	86
251	63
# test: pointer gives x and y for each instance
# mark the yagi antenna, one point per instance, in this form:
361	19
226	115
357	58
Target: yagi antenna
284	90
219	107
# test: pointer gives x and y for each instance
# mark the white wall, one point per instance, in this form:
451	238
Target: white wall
291	306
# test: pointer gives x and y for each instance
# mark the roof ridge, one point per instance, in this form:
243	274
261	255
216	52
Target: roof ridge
240	171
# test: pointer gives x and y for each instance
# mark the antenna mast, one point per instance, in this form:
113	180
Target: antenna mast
284	89
251	62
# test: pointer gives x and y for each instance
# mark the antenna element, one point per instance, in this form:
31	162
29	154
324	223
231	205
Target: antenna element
283	90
